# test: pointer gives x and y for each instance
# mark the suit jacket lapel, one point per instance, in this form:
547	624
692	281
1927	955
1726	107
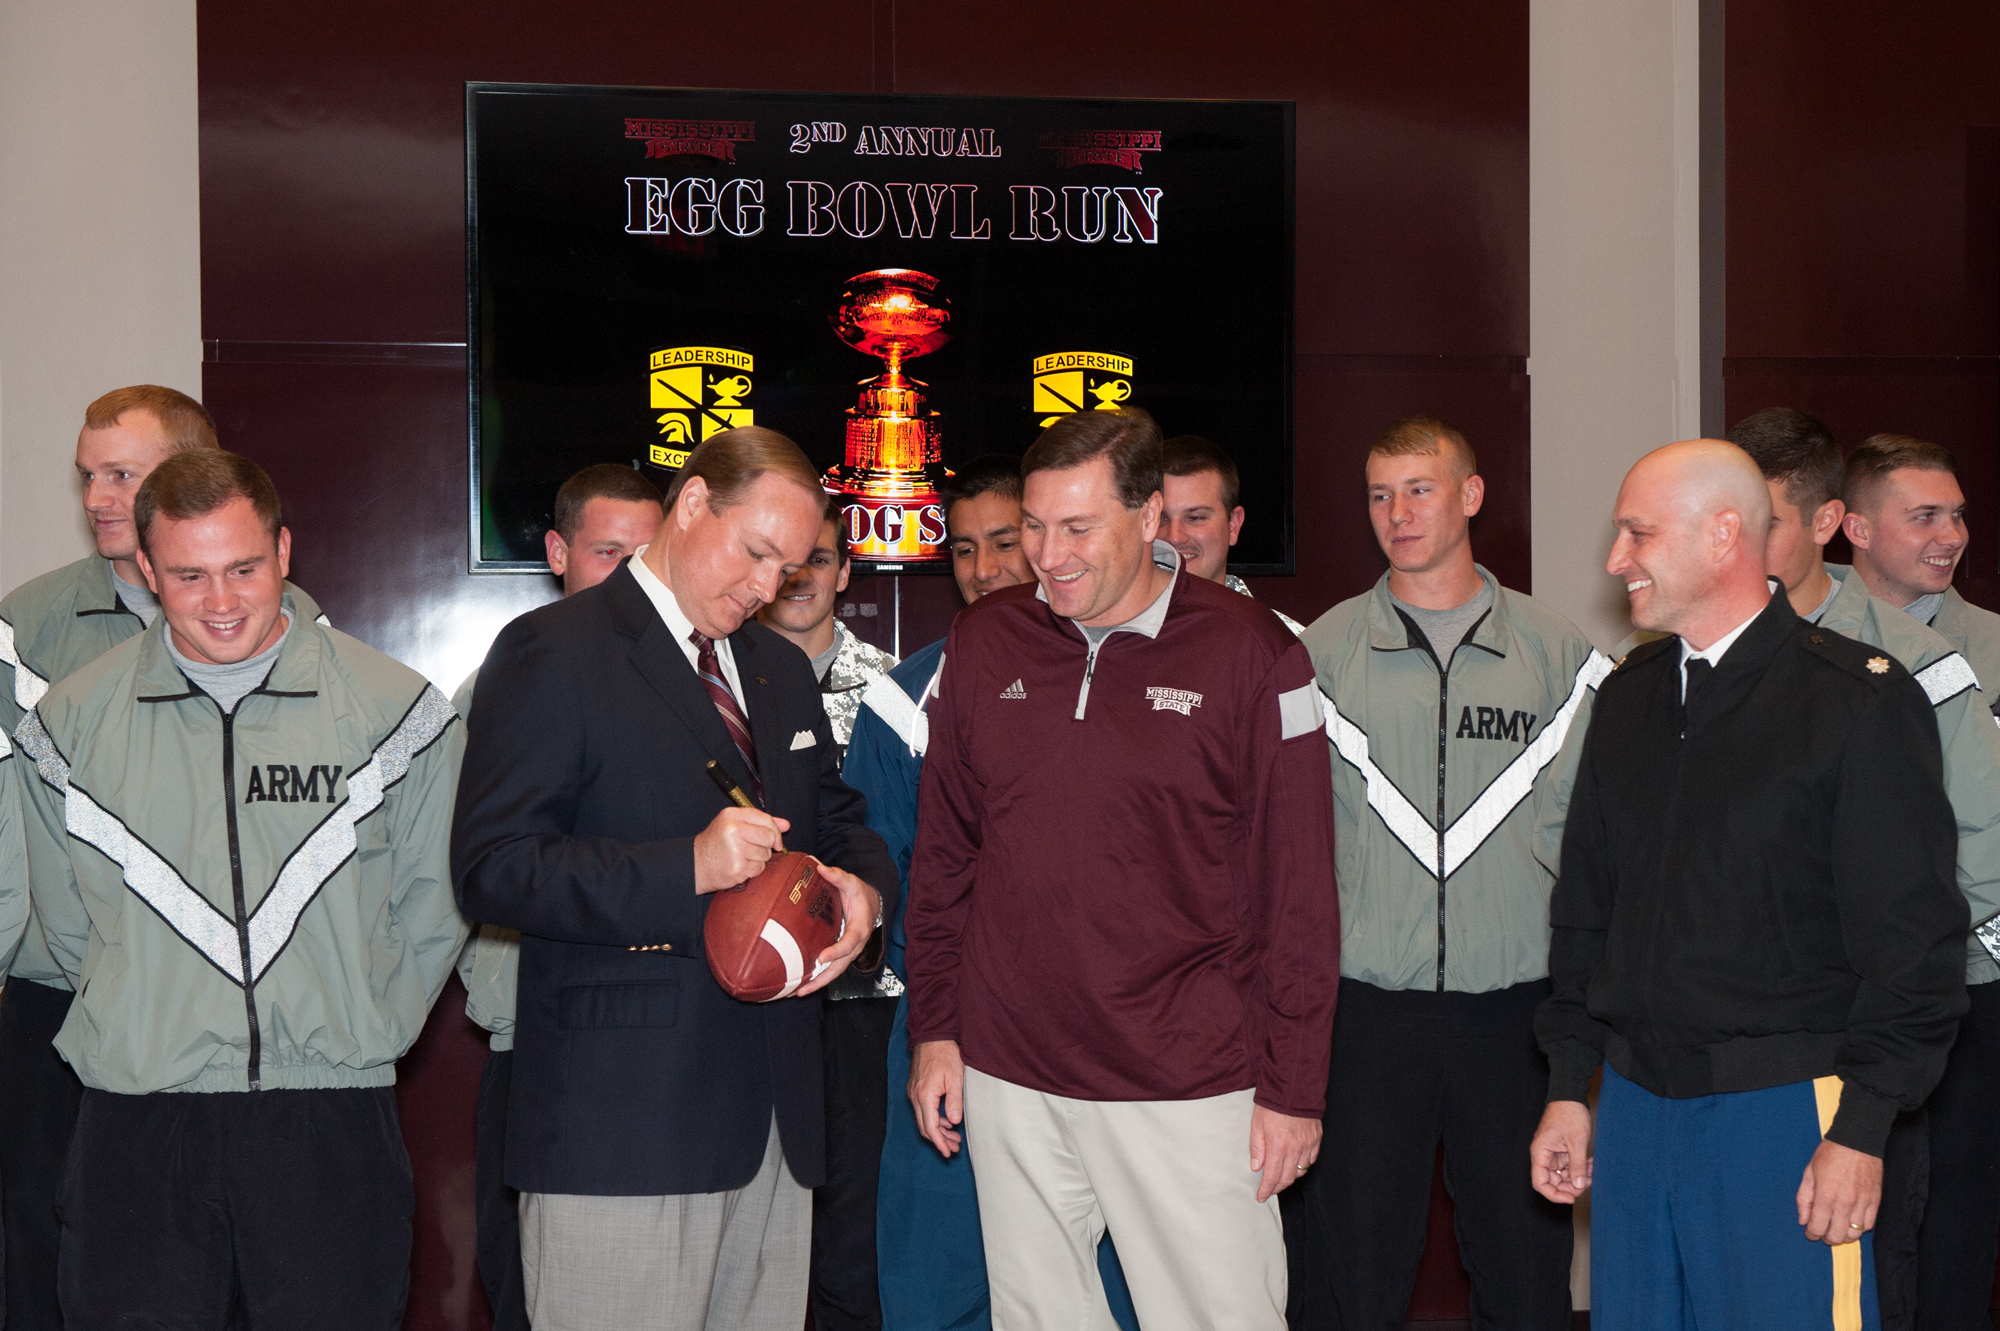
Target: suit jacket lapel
766	727
664	666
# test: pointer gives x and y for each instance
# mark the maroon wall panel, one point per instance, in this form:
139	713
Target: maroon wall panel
1863	230
333	297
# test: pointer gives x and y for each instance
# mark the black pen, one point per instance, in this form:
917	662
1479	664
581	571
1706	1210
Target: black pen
735	792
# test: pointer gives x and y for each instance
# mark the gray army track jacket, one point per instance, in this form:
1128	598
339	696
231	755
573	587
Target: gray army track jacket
1975	632
1971	746
260	900
1449	787
50	627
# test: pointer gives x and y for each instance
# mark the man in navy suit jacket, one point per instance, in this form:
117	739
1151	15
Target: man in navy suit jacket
665	1136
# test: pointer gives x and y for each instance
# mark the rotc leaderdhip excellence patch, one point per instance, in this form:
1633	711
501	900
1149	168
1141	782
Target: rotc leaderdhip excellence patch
697	391
1068	381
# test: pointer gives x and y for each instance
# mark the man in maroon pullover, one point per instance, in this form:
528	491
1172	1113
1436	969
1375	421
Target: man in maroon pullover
1123	922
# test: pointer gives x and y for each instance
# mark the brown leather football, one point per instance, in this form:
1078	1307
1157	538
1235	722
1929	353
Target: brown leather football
764	937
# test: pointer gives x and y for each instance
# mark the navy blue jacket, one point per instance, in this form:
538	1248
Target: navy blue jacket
885	769
582	793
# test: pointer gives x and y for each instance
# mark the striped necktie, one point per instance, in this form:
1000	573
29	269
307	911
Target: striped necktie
709	665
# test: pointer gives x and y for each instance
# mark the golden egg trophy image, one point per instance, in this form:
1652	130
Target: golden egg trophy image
894	457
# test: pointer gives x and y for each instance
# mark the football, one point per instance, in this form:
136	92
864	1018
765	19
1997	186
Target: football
763	937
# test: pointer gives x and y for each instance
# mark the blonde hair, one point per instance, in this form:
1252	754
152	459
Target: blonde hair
1414	435
184	421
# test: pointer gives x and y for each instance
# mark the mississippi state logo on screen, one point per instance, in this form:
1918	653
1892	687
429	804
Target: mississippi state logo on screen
1068	381
697	391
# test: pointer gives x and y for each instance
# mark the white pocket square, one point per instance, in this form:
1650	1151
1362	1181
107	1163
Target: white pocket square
803	740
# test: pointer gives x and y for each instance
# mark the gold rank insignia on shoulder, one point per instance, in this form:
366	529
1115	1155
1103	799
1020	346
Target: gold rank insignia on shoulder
1878	665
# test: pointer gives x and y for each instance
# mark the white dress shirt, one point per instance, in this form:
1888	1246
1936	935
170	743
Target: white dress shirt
1713	652
680	626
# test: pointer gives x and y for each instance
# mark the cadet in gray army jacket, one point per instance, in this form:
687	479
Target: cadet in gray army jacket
1905	517
49	627
239	851
1455	709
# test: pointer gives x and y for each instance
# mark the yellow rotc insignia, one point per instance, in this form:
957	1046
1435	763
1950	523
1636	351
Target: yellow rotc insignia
1068	381
1879	664
702	392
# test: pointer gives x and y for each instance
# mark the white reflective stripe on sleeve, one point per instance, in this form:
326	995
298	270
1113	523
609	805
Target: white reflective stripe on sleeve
887	700
156	883
28	686
1390	804
1298	712
334	840
787	947
1946	678
1514	784
41	750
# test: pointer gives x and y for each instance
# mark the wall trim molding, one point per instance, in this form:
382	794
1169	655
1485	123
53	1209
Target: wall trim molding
1928	367
235	352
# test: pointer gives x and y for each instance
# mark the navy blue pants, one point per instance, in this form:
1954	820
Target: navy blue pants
1694	1219
929	1252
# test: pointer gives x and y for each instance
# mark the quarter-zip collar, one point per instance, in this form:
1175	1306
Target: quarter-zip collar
1388	633
1146	623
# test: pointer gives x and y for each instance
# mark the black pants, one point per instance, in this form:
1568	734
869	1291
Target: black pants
854	1043
1906	1181
38	1100
498	1207
264	1210
1412	1069
1942	1206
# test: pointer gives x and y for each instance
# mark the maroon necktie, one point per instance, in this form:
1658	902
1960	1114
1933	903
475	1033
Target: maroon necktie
710	668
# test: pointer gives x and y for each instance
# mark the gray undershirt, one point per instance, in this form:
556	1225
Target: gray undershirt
228	684
139	600
1446	629
1831	592
1925	608
824	661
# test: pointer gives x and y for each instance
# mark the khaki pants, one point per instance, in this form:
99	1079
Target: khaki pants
1171	1180
709	1261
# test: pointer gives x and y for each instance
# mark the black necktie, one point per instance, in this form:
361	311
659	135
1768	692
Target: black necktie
1698	671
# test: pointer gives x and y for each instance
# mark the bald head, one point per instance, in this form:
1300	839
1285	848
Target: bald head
1706	477
1692	520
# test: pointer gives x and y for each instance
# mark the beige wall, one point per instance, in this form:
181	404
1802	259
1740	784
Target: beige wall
1614	275
100	270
